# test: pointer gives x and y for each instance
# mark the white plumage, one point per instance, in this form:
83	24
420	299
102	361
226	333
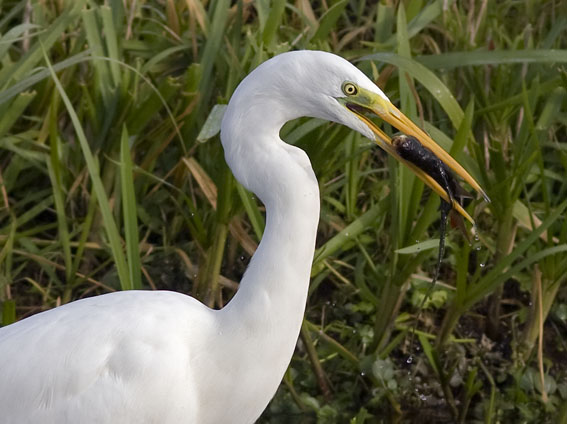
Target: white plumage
163	357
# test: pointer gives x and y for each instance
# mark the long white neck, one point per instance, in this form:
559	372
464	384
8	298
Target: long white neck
264	317
270	301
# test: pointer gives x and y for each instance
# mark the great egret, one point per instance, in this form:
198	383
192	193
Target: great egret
164	357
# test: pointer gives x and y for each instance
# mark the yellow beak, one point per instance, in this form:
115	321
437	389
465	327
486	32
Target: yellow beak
367	101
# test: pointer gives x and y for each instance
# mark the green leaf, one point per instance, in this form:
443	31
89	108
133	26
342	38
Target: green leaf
92	166
129	210
42	74
329	19
212	125
8	312
419	247
55	170
21	68
105	82
430	353
498	275
15	110
428	79
452	60
111	40
274	21
347	234
251	208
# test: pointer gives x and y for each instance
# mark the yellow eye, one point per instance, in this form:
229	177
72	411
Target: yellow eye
350	89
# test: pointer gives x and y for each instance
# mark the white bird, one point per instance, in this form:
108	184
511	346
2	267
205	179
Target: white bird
164	357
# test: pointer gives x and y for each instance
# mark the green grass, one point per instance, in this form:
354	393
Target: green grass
112	178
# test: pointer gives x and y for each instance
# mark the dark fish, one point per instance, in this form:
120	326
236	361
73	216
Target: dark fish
410	149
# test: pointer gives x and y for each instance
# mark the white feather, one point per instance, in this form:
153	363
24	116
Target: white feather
163	357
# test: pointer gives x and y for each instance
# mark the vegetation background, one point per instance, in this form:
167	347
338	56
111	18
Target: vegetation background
112	177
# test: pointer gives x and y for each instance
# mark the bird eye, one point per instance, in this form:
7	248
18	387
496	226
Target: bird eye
350	89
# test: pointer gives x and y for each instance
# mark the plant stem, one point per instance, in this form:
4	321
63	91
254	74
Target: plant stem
322	378
389	306
449	321
505	244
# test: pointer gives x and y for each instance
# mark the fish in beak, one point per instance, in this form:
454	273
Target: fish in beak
416	150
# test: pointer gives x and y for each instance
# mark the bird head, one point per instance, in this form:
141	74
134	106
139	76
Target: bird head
326	86
347	96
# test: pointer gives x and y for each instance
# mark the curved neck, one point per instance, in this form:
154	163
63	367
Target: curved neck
262	321
276	281
272	294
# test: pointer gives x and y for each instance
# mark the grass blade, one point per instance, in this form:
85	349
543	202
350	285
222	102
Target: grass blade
251	208
329	19
49	37
494	277
55	170
129	206
109	223
428	79
492	57
273	22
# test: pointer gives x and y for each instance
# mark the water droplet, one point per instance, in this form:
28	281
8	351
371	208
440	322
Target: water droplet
362	373
482	265
242	258
347	235
409	360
